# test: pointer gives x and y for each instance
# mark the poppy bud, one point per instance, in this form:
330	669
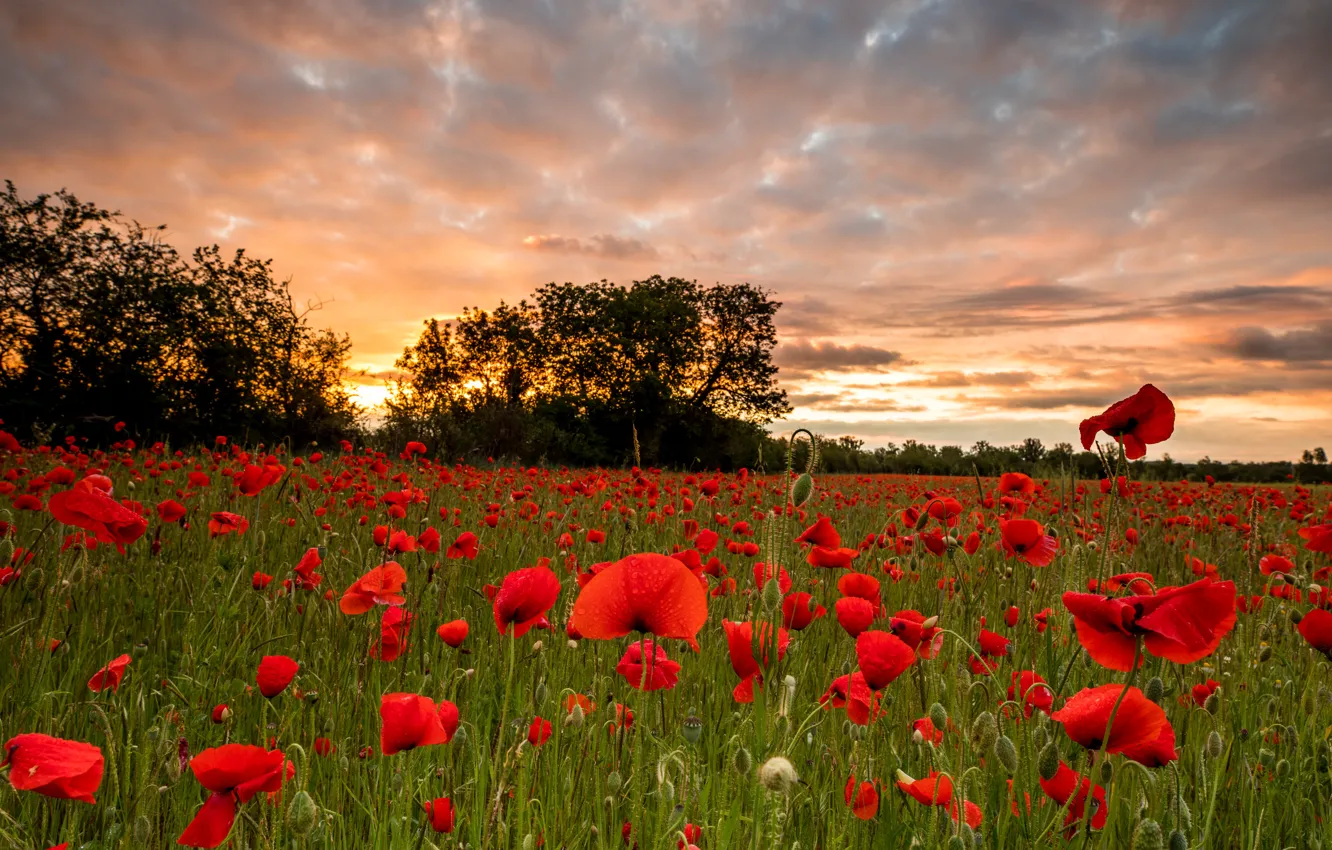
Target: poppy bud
1039	737
460	737
856	732
772	595
529	841
142	830
1212	704
957	843
802	489
666	790
574	719
1179	841
938	716
1214	745
613	781
1107	772
742	762
984	731
536	647
1006	752
1295	616
1264	655
301	814
1266	758
1282	768
1047	763
221	713
917	738
693	729
1147	836
1155	690
923	520
539	693
777	775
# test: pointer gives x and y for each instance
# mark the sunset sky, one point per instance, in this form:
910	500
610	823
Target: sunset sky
986	219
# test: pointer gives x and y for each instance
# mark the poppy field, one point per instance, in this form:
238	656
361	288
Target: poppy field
249	647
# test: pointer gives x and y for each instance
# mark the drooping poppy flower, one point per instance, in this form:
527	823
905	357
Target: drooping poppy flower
393	628
917	631
1068	783
440	812
1180	624
170	511
225	522
799	610
863	586
1274	564
109	676
234	773
1016	482
828	558
380	586
740	644
53	767
539	732
453	633
994	645
647	593
523	598
1146	417
1026	539
645	666
1138	721
275	674
882	658
409	721
253	479
927	730
1032	691
854	614
863	798
466	546
1316	629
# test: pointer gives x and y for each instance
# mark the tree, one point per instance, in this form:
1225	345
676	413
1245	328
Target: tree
1319	455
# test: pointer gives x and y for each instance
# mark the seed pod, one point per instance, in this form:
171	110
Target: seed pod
1282	768
772	596
143	829
1265	655
777	775
1047	763
984	731
667	791
1006	753
743	762
301	814
1155	690
1147	836
938	716
1179	841
1215	746
1107	772
539	693
1212	704
529	842
1266	758
693	729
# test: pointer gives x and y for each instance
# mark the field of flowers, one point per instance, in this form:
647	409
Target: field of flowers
238	646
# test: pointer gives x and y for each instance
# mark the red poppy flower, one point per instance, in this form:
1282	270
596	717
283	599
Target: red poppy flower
882	658
928	732
917	631
799	610
307	578
523	598
1180	624
539	732
937	790
234	773
1316	629
706	541
380	586
1016	482
409	721
53	767
993	644
1317	538
647	593
453	633
275	674
1026	539
225	522
834	559
170	511
400	541
1138	722
863	586
763	573
821	533
92	510
863	798
852	693
324	747
740	644
1199	693
109	676
259	581
945	509
393	628
854	614
1274	564
253	479
1146	417
429	540
1032	691
466	546
660	671
440	811
1068	783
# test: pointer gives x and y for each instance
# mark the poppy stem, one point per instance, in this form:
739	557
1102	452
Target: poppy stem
1105	739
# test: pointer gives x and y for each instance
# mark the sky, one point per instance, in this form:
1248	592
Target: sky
985	219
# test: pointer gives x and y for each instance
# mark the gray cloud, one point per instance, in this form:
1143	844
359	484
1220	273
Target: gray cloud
1297	346
605	245
806	356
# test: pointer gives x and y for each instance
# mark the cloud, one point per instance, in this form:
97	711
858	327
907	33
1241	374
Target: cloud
805	356
1302	346
605	245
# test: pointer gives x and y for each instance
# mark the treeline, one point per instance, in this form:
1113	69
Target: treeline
663	371
102	323
849	455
